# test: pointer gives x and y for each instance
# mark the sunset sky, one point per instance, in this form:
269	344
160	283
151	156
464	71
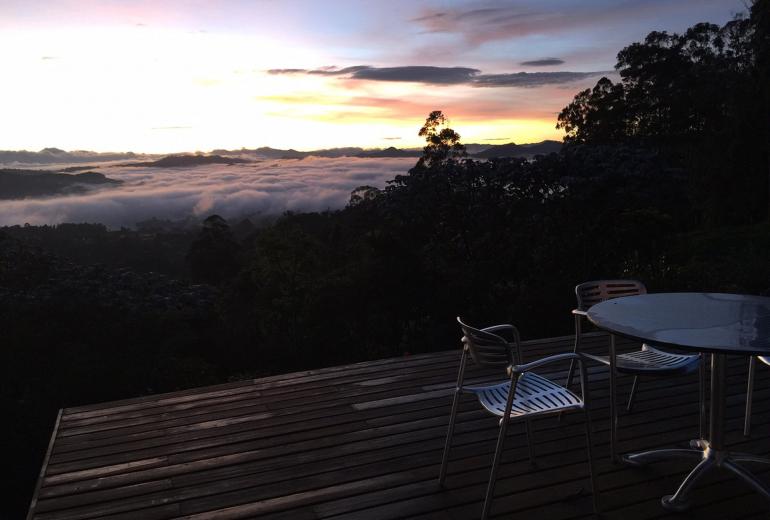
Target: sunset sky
170	76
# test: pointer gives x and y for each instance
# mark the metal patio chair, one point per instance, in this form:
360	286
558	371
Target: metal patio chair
750	391
650	360
521	396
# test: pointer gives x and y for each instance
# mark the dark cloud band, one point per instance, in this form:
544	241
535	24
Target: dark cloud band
419	74
545	62
447	75
531	79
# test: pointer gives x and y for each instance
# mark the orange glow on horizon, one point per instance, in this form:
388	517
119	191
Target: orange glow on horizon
181	75
154	91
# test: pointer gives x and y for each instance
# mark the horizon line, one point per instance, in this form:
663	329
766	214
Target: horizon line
54	149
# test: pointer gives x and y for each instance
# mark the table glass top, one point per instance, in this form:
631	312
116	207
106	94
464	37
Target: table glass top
713	322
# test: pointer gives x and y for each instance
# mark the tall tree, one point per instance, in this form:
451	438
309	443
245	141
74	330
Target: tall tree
596	115
443	143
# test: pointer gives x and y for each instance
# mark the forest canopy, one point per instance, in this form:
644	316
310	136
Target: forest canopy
700	100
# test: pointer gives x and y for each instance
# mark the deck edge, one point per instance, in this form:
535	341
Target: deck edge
44	468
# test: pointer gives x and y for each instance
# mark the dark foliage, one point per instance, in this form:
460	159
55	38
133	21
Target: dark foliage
700	99
151	248
74	333
214	255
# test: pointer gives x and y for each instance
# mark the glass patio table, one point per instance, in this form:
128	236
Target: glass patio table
713	323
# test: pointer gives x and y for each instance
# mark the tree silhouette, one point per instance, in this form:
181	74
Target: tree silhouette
443	142
698	99
213	256
596	115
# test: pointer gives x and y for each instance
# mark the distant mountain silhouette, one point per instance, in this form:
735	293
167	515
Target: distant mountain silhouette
222	156
474	149
21	184
276	153
273	153
174	161
390	152
56	155
520	150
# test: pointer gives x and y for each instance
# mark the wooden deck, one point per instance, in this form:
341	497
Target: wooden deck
364	441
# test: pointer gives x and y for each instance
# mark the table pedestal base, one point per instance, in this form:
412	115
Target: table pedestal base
711	454
709	459
739	323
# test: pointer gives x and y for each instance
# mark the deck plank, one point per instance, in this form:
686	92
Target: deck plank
364	441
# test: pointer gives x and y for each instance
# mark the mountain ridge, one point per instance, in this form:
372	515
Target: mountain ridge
56	155
477	150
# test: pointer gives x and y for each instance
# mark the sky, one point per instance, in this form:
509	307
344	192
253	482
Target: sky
194	75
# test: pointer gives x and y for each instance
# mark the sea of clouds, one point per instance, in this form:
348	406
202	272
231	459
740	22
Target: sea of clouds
261	188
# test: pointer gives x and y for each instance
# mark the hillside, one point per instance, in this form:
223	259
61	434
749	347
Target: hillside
21	184
176	161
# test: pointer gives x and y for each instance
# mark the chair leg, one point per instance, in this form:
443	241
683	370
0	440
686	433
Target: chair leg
448	443
702	420
591	468
631	396
572	363
493	476
571	371
528	427
749	396
589	441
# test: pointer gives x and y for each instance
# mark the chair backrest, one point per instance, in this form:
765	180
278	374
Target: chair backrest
591	293
488	349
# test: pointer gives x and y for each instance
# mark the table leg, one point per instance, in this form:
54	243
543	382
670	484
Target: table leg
613	404
678	501
713	450
711	453
718	400
748	477
702	419
748	457
646	457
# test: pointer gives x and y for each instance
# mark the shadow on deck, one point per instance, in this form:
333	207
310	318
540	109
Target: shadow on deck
365	441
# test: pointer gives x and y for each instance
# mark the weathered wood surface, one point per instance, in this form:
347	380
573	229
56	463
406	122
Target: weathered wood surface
364	441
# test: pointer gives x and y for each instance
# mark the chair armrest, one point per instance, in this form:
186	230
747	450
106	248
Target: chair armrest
495	328
578	312
602	360
526	367
512	336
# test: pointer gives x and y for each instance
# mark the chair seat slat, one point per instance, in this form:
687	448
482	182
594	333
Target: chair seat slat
534	395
